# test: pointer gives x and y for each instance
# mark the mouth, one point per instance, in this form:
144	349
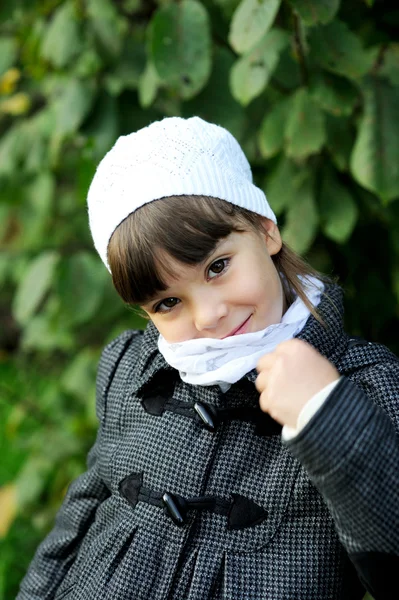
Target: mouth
241	329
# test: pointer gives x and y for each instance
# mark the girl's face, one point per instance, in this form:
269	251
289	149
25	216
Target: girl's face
237	290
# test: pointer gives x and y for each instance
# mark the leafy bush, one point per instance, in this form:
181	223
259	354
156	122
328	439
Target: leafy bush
311	91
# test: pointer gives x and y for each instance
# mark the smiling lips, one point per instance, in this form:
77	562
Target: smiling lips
238	330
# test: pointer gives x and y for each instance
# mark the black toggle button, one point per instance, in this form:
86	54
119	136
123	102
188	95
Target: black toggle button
174	507
206	416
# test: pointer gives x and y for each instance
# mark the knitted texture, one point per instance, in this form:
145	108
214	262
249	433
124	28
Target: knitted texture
330	492
172	157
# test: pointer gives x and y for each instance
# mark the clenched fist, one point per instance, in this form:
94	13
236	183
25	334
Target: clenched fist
289	377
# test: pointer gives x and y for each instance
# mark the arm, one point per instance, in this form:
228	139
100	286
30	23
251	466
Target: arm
350	449
57	552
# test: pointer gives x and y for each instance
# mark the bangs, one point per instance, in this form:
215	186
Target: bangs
186	228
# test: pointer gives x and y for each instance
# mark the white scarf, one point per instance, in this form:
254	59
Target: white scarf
210	361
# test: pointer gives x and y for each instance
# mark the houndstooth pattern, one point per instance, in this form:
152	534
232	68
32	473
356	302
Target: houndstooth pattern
330	492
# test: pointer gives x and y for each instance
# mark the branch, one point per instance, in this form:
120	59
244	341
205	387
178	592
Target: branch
300	51
379	60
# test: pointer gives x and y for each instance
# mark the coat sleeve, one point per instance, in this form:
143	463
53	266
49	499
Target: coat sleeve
57	552
350	449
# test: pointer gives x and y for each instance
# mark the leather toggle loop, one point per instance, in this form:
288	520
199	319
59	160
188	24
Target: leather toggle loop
241	512
210	417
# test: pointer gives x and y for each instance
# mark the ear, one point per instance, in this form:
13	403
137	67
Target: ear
271	235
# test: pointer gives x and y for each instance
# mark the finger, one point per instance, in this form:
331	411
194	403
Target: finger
265	362
264	402
261	381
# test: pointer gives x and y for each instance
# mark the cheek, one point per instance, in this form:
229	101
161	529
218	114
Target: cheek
266	292
262	285
173	330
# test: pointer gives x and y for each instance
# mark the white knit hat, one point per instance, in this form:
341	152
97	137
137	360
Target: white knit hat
171	157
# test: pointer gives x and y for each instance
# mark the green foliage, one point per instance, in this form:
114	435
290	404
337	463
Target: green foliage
316	12
62	40
338	210
180	46
302	219
305	130
33	286
336	48
251	73
250	22
311	91
375	156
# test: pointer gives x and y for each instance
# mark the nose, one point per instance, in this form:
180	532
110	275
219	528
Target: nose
208	313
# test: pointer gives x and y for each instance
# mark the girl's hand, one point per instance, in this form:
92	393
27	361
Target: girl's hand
289	377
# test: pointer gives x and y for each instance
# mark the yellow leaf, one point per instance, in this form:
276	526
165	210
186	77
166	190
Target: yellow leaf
8	507
16	105
9	80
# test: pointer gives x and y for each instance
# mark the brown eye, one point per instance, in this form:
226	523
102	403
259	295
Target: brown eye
218	267
166	304
169	302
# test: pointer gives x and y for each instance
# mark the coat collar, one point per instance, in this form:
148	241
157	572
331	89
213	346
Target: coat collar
328	339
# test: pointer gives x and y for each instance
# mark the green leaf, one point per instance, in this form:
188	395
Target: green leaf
32	479
5	213
72	106
251	21
41	333
80	287
62	40
103	127
36	212
24	145
215	102
271	134
12	149
390	65
340	139
88	64
316	11
301	223
286	75
148	85
132	60
281	185
79	376
375	158
333	94
8	53
4	259
251	73
40	192
34	285
338	210
109	28
38	131
338	49
305	130
180	46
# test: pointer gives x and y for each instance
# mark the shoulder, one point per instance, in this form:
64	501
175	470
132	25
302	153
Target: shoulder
360	355
374	369
111	356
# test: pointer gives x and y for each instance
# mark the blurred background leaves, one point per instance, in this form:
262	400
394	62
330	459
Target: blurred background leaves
311	91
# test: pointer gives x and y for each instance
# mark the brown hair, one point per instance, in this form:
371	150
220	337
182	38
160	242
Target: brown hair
188	228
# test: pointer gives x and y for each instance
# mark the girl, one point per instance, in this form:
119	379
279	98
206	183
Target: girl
247	447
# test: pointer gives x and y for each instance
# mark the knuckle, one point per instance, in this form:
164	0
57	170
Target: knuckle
263	403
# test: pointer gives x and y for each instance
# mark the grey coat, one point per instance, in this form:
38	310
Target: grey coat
190	494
